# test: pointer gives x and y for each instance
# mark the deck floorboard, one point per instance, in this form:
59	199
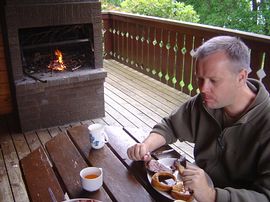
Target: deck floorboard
132	100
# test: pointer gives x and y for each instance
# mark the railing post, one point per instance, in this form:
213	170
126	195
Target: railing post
107	35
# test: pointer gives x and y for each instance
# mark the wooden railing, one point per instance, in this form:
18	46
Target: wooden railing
161	48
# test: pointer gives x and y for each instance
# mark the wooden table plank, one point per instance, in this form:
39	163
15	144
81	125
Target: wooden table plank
39	176
122	188
69	162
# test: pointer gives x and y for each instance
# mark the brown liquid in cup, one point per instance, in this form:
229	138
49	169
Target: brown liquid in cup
91	176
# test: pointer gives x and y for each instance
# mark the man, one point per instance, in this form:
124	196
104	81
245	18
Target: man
229	122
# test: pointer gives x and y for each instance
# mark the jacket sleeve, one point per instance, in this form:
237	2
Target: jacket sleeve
240	195
178	125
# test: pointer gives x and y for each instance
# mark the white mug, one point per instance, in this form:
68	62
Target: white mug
91	178
97	136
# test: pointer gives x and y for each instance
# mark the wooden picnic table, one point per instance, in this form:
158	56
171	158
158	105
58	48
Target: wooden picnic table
56	167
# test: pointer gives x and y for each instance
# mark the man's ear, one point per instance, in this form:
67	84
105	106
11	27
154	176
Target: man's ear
242	77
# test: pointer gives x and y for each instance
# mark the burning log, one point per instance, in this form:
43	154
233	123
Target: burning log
57	64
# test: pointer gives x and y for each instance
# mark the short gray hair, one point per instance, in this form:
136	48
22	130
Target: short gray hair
233	47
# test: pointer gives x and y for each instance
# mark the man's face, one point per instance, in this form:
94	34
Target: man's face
217	83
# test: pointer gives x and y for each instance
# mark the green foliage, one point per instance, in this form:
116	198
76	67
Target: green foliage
245	15
115	2
234	14
264	11
111	4
161	8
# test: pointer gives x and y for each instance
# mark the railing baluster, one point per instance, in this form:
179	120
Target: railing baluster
148	69
266	69
132	28
161	48
175	50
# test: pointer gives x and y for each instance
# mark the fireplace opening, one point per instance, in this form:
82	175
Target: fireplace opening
47	51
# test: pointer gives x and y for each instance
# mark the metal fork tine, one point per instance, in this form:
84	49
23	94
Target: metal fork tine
52	195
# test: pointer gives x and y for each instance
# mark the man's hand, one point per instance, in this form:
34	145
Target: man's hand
139	152
196	181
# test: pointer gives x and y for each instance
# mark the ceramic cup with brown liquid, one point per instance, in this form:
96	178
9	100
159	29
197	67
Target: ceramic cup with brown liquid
91	178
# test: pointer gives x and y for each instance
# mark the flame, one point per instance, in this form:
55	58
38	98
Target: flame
57	64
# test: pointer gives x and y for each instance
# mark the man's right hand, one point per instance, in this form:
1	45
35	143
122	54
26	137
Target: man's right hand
139	152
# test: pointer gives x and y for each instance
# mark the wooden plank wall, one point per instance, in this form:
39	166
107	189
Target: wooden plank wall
5	95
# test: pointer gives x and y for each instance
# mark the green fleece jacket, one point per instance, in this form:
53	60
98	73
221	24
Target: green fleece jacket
237	158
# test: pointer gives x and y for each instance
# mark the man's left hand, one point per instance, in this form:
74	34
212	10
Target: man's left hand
197	182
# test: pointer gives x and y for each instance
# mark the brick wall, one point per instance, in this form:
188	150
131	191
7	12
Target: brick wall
61	101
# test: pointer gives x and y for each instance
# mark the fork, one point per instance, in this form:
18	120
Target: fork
52	195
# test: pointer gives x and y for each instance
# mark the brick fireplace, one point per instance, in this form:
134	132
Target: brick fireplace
35	30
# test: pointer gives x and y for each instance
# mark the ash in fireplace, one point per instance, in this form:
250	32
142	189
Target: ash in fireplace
39	62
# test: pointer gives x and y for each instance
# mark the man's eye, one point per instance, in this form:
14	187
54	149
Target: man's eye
199	80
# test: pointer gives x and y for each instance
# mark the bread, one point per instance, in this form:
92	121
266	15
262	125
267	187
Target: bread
156	181
180	164
178	192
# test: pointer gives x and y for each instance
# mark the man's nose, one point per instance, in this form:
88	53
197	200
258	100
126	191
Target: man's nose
204	87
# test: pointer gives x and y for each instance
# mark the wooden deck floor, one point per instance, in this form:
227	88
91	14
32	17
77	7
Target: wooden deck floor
132	99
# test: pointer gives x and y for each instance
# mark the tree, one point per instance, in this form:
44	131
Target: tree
111	4
246	15
161	8
262	10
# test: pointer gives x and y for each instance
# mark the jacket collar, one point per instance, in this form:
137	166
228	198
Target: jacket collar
261	101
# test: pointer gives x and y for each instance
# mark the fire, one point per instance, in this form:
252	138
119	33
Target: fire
57	64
